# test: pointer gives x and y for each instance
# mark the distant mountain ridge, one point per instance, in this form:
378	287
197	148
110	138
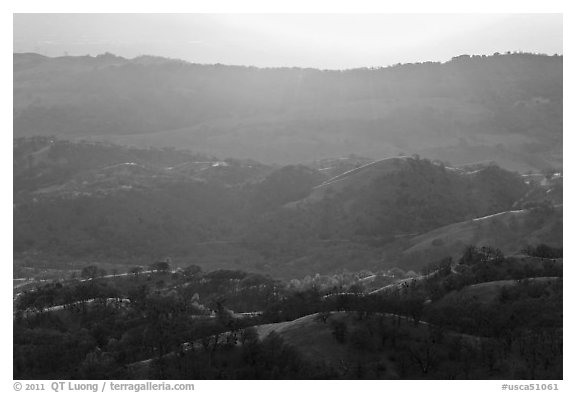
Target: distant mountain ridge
502	108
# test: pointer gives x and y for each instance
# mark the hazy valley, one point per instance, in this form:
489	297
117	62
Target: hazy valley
186	221
502	108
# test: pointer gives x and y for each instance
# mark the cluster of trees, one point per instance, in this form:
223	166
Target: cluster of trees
485	264
107	324
269	358
543	251
55	294
239	291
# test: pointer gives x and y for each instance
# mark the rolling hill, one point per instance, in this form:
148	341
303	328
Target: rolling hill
80	202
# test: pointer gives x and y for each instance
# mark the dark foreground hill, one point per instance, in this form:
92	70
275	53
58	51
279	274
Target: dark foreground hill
479	316
502	108
78	203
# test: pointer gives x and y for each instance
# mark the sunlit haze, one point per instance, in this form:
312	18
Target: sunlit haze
330	41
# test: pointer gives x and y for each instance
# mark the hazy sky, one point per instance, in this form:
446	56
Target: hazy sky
305	40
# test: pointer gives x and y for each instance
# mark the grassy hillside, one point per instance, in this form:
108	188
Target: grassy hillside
509	231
